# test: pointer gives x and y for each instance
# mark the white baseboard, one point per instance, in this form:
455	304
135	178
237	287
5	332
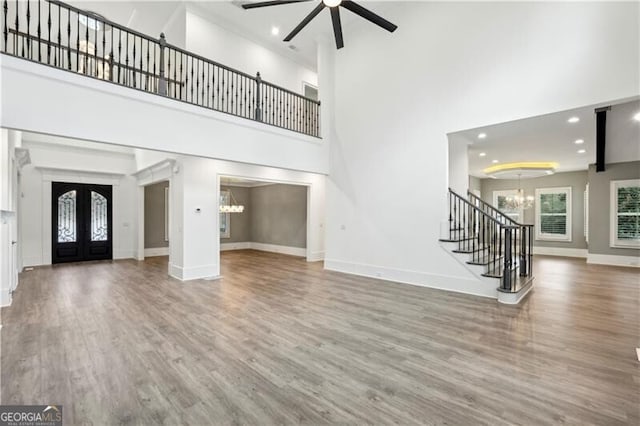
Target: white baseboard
157	251
5	298
235	246
208	272
292	251
273	248
560	251
124	254
32	261
609	259
315	256
442	282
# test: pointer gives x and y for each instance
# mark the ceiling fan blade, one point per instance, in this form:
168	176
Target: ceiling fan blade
305	21
337	27
270	3
369	15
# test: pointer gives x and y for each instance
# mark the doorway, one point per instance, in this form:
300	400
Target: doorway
82	222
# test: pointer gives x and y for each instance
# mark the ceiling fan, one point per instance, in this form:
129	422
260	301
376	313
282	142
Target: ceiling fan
334	7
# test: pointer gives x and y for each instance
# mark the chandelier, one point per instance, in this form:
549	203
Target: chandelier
519	201
234	207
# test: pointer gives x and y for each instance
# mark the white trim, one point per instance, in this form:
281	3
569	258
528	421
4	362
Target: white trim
315	256
123	254
156	251
441	282
614	260
207	272
515	298
235	246
273	248
567	237
5	298
560	251
158	172
52	174
613	214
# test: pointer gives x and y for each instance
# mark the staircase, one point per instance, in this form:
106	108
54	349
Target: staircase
491	245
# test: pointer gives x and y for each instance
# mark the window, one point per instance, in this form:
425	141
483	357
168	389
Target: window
625	213
500	202
553	214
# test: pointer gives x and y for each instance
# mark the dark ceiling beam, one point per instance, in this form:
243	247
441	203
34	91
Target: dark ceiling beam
601	137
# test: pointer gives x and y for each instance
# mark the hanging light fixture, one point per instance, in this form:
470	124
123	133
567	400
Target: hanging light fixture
234	207
519	201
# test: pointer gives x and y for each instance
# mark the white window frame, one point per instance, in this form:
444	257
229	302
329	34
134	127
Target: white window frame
507	193
613	227
566	237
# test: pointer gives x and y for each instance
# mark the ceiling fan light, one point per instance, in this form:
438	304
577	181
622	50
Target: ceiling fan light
332	3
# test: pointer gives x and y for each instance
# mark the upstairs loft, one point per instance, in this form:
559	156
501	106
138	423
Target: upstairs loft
67	38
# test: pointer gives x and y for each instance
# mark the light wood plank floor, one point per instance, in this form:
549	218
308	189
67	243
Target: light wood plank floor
279	340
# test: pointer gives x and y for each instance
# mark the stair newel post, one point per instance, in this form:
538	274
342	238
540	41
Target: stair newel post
524	262
506	274
162	81
258	97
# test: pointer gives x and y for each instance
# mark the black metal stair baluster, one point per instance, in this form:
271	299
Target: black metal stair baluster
141	70
78	43
133	64
95	47
85	53
146	84
5	29
69	39
16	47
28	30
192	79
111	56
120	76
202	95
39	32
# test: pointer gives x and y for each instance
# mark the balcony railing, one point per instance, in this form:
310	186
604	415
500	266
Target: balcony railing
65	37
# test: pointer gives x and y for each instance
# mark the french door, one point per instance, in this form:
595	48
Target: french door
81	222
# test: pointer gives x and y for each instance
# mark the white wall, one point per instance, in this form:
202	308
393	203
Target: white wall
452	66
103	112
194	240
211	41
9	258
55	163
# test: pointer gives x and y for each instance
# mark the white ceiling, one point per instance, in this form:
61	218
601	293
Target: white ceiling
544	138
150	17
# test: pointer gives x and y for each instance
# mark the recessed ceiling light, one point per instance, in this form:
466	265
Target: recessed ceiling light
582	151
579	141
495	161
275	31
573	119
483	154
637	116
482	136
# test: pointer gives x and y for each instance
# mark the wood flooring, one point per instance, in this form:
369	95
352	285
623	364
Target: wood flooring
282	341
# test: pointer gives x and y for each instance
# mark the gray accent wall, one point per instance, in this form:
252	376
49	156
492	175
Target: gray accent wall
274	214
576	180
154	215
600	206
240	222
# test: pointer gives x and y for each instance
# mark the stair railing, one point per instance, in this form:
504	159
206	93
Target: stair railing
492	239
65	37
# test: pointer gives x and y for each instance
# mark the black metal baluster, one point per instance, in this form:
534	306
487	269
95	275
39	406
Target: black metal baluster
5	30
16	38
58	61
78	43
202	99
111	57
156	82
28	30
148	73
197	81
120	76
140	64
39	30
95	47
69	39
183	80
192	72
133	64
49	36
